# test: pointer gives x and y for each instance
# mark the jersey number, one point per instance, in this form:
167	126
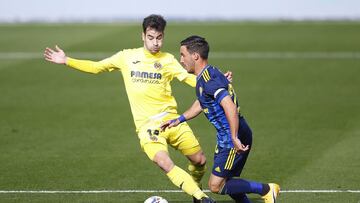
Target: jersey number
232	94
153	134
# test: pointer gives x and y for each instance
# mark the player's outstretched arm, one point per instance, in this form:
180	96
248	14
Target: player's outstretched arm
57	56
233	119
191	113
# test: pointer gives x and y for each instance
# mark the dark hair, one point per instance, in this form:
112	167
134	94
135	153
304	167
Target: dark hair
156	22
196	44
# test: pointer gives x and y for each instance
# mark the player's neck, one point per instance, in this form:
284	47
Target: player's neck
148	53
199	66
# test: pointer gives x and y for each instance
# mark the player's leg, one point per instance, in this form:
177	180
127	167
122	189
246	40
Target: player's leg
197	166
238	188
178	176
216	185
155	146
270	191
183	139
228	164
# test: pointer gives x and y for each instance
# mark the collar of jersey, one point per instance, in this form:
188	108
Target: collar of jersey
206	67
150	55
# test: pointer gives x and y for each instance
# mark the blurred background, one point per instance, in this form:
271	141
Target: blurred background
113	10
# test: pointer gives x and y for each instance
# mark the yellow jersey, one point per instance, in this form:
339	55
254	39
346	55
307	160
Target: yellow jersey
147	79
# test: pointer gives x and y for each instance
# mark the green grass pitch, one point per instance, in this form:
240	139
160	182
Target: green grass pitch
61	129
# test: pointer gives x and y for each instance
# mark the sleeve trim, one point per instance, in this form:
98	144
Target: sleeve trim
221	96
218	91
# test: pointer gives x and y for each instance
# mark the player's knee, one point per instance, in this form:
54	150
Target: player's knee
202	159
216	184
214	187
198	159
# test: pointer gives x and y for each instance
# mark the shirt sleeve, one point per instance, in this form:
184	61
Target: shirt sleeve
181	74
216	89
106	65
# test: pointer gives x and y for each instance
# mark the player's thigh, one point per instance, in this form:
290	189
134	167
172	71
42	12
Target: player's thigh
152	140
152	148
183	139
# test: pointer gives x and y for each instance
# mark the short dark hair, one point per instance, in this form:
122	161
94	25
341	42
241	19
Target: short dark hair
154	21
196	44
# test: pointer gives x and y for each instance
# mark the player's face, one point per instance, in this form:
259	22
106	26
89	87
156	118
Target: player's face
187	59
153	40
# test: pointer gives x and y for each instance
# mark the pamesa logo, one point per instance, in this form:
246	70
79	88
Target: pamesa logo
145	77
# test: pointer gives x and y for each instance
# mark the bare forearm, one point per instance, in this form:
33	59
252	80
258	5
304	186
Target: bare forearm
231	114
233	119
193	111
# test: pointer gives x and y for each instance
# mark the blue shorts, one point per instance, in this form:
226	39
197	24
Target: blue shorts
228	163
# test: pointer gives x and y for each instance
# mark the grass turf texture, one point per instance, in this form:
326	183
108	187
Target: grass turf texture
65	130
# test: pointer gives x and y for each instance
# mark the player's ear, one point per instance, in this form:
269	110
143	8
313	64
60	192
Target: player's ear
143	36
195	56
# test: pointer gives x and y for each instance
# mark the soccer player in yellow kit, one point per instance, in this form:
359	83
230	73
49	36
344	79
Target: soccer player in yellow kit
147	74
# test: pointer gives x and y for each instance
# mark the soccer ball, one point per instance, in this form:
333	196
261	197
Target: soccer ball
155	199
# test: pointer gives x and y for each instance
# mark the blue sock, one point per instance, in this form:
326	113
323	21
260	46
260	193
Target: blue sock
240	198
236	186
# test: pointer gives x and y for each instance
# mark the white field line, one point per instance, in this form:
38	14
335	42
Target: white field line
149	191
219	55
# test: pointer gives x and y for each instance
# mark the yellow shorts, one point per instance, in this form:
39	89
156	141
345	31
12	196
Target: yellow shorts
181	137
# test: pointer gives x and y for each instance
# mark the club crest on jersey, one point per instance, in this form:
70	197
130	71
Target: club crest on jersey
157	65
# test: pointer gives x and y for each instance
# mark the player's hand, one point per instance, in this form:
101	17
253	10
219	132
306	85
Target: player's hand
169	124
239	147
228	75
56	56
